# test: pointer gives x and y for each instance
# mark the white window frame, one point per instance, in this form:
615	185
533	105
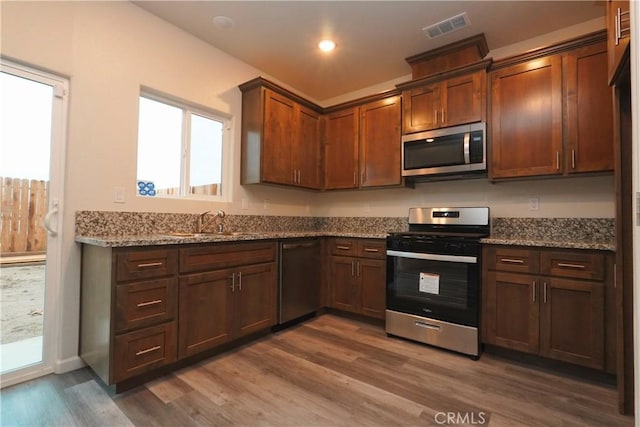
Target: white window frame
225	190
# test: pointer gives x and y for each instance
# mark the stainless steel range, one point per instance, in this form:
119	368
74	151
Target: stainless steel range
433	278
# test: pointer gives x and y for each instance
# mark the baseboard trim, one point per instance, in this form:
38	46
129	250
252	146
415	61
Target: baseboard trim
68	365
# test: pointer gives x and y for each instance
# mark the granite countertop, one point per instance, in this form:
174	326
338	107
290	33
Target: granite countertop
166	239
567	244
126	229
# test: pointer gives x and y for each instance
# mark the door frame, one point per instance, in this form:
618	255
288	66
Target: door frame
53	273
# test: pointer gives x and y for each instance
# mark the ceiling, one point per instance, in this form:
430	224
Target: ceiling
373	37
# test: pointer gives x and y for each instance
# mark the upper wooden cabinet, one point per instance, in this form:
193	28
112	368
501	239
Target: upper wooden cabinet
588	110
526	119
551	112
454	101
362	145
618	37
380	155
341	149
280	137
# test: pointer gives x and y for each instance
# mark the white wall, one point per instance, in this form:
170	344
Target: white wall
110	49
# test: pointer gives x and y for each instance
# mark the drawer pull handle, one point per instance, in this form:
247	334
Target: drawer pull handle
344	248
421	324
144	304
149	350
371	250
150	265
565	265
512	261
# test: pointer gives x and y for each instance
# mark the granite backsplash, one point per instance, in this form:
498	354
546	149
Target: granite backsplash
108	223
594	230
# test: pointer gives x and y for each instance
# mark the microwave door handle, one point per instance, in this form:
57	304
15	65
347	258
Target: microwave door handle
466	148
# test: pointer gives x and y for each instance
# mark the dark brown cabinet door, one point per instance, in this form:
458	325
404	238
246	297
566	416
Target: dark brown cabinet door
307	151
572	321
343	284
451	102
279	126
462	100
205	311
526	119
380	146
589	111
511	311
341	150
372	277
254	294
618	24
421	108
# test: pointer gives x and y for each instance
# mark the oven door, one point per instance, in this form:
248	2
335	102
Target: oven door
442	287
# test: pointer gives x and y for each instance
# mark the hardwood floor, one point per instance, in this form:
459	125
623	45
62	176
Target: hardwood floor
329	371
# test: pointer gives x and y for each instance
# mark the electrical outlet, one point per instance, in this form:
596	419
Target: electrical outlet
244	204
367	207
118	194
534	204
267	204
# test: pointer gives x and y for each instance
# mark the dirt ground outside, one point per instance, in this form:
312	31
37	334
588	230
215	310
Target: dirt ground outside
21	302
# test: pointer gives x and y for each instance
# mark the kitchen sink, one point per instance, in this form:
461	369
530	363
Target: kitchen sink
205	234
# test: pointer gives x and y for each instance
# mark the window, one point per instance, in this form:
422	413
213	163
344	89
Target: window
180	150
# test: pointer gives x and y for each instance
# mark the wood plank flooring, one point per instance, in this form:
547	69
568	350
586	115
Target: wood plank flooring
329	371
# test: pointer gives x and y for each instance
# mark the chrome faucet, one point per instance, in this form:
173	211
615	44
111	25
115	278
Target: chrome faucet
202	224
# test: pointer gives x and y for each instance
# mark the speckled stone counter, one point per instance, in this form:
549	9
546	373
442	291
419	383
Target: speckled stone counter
122	229
570	233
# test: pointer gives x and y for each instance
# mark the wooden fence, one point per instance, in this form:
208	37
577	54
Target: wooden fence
24	205
207	189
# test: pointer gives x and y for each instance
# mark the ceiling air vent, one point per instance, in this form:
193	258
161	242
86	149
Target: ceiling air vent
447	26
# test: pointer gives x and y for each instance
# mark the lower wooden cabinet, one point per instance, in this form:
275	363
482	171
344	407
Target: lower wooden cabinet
144	308
235	298
553	303
128	321
357	277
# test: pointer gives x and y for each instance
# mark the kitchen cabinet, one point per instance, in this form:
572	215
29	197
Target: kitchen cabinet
555	303
280	137
454	101
341	149
526	119
618	37
357	278
380	147
588	110
552	114
144	308
362	145
129	301
227	291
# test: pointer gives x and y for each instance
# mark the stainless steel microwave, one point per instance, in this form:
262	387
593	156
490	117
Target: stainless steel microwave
455	152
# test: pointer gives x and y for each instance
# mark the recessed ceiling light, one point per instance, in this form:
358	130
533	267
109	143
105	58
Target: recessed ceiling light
223	22
327	45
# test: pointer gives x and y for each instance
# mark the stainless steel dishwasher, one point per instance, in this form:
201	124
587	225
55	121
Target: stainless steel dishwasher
299	287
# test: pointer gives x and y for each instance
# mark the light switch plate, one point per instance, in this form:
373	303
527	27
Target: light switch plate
118	194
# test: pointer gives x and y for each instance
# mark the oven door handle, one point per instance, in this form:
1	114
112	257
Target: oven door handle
434	257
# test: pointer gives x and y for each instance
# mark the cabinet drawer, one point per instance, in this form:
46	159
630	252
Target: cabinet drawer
145	304
516	260
376	249
217	256
144	350
347	247
579	265
145	264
